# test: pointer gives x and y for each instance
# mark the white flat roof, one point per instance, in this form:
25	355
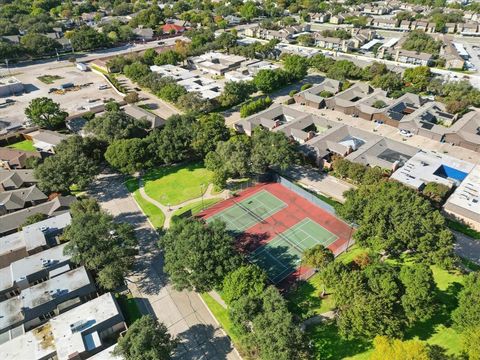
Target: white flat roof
461	50
422	169
57	336
391	42
371	44
67	339
467	195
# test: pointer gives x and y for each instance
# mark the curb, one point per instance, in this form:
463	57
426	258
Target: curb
219	326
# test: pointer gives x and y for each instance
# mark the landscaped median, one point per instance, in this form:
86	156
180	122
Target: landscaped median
154	214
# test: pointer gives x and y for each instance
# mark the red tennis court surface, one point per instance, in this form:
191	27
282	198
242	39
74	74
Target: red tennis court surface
297	209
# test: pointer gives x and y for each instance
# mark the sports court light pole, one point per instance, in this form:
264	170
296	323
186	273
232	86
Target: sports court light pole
201	194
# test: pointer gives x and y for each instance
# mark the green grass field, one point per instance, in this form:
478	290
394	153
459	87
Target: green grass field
221	314
176	184
25	145
196	207
129	308
155	215
305	302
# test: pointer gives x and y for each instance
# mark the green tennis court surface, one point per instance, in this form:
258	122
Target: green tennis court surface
250	211
283	254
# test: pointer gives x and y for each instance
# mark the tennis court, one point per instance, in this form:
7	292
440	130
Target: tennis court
250	211
281	256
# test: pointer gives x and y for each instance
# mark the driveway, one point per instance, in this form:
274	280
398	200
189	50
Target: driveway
467	247
184	313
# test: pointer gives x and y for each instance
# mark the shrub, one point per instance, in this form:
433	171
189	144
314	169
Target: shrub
255	106
306	86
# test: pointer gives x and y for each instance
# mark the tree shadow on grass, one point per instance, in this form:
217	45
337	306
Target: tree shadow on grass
446	302
326	343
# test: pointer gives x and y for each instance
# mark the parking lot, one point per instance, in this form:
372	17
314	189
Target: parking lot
74	101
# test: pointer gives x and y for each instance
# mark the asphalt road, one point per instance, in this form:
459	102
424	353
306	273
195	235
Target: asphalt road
467	247
183	313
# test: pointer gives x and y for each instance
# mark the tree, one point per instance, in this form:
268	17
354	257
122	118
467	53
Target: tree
86	205
306	40
76	162
230	159
418	300
131	98
247	280
173	143
467	314
193	102
296	66
318	256
149	56
389	82
189	244
268	80
236	92
33	219
262	156
394	218
471	343
99	243
87	38
418	77
171	92
136	70
209	131
115	125
171	57
46	113
255	106
420	41
127	155
436	192
146	339
249	10
266	326
39	45
395	349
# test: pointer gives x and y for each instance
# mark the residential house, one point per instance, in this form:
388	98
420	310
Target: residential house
32	239
345	100
10	223
405	25
217	63
413	57
36	304
453	59
172	29
316	95
451	28
331	43
16	179
14	200
145	34
45	140
11	159
421	25
138	113
470	28
320	18
337	19
428	166
76	334
233	20
465	132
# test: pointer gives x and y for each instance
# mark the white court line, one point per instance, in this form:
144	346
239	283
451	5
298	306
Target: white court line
255	255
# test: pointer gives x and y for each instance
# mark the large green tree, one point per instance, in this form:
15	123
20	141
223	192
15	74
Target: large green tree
266	327
247	280
267	80
115	125
394	218
208	131
318	256
46	113
296	66
467	314
418	78
127	155
198	256
236	92
75	162
99	243
146	339
39	45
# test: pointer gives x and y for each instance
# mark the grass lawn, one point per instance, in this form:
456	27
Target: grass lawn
221	314
49	79
25	145
305	302
176	184
156	216
196	207
129	308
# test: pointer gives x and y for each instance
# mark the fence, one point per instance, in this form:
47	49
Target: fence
306	195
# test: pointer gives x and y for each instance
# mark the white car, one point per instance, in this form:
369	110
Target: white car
406	133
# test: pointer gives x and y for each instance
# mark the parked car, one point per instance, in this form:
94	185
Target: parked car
406	133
